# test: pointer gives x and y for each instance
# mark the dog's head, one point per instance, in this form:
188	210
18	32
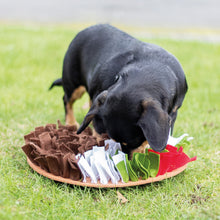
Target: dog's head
129	116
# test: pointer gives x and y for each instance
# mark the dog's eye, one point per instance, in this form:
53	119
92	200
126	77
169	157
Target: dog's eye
117	77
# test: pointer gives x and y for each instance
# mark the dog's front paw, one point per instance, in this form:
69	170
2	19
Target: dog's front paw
140	149
73	123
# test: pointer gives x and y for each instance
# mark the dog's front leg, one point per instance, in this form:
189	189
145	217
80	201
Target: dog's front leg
140	149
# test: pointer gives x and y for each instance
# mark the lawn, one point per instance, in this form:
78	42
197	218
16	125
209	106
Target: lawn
31	58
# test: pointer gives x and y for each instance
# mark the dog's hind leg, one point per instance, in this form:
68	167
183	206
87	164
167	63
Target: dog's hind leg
68	105
72	82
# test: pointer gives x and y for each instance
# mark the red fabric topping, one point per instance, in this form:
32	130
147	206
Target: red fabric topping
172	160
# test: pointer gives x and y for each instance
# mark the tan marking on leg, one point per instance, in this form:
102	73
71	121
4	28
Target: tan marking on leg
90	103
175	108
140	149
96	134
70	118
77	93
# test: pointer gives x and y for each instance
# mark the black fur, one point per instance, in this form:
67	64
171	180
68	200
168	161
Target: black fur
136	87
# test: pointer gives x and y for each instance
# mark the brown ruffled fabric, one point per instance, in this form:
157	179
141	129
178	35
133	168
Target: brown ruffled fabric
54	149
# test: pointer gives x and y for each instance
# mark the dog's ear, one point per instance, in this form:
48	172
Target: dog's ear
99	101
155	124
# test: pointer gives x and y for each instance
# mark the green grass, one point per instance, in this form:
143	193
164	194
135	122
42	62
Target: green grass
31	58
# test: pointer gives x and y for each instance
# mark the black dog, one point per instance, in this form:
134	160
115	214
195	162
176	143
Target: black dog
136	88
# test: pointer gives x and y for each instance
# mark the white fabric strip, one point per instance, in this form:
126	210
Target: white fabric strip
112	168
93	167
101	162
174	141
87	169
113	146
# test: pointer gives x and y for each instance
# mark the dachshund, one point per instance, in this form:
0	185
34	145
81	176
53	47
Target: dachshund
135	88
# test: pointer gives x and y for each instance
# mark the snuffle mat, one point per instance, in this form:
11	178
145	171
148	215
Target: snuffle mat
58	153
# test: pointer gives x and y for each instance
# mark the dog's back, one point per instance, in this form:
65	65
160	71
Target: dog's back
102	47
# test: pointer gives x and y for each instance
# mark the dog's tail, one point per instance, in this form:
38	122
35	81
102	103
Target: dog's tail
57	82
